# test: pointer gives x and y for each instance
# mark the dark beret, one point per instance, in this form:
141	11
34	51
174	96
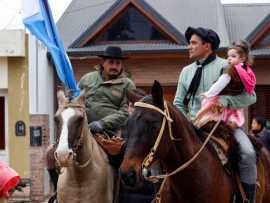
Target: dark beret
207	35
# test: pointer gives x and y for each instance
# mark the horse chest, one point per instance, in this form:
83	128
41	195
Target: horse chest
87	186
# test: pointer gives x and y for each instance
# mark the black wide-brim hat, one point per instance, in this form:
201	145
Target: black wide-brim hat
113	52
207	35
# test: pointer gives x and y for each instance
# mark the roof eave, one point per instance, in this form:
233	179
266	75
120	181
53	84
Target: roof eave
254	33
180	39
107	14
85	52
74	52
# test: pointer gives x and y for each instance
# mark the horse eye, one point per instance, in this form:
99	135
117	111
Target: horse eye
80	118
150	127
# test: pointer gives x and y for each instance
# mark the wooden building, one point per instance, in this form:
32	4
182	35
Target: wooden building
151	33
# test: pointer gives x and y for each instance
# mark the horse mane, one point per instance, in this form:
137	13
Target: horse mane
178	117
190	129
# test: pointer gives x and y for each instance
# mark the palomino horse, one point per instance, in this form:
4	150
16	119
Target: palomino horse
202	181
86	175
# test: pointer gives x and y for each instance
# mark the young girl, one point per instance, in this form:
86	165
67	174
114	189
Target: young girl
237	78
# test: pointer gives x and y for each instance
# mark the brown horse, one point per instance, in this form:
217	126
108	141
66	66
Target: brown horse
86	175
204	181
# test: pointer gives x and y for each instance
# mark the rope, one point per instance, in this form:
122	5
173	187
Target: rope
149	158
189	162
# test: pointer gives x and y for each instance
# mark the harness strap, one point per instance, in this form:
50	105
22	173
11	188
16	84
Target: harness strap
158	195
182	167
149	158
150	106
72	105
189	162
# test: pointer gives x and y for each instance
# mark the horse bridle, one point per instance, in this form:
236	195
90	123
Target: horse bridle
166	118
79	143
150	157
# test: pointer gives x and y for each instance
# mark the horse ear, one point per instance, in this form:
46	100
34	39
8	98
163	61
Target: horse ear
81	98
135	95
61	97
157	95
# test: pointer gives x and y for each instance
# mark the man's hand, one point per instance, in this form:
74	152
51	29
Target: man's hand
96	127
218	108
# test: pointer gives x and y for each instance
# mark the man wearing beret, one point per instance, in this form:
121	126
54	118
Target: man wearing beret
197	78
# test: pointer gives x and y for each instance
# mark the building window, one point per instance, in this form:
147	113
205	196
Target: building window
2	123
132	25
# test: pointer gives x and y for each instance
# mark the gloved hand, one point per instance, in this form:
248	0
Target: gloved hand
96	127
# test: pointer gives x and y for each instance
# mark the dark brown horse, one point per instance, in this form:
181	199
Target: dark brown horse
204	181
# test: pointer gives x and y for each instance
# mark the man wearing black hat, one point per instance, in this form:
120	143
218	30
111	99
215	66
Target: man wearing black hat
106	104
197	78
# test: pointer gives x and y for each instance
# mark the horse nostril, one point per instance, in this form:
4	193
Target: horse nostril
70	154
129	178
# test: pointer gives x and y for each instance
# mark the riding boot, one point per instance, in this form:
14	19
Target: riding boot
250	190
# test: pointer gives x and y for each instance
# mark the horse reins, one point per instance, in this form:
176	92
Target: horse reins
79	143
149	158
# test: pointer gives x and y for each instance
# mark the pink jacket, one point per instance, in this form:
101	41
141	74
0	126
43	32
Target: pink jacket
247	77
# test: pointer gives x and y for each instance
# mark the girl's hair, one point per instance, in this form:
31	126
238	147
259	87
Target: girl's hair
243	50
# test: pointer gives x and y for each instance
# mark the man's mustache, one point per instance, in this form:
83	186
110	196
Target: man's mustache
113	70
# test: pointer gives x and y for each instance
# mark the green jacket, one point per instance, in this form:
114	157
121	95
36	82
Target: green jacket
210	74
106	100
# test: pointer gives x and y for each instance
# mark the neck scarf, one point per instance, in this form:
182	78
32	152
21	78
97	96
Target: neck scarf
196	80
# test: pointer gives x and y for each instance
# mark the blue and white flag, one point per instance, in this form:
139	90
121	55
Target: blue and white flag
37	17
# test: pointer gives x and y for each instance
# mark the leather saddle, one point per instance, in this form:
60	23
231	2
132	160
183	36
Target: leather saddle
223	137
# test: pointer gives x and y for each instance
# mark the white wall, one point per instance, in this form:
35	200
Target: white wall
41	82
12	43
